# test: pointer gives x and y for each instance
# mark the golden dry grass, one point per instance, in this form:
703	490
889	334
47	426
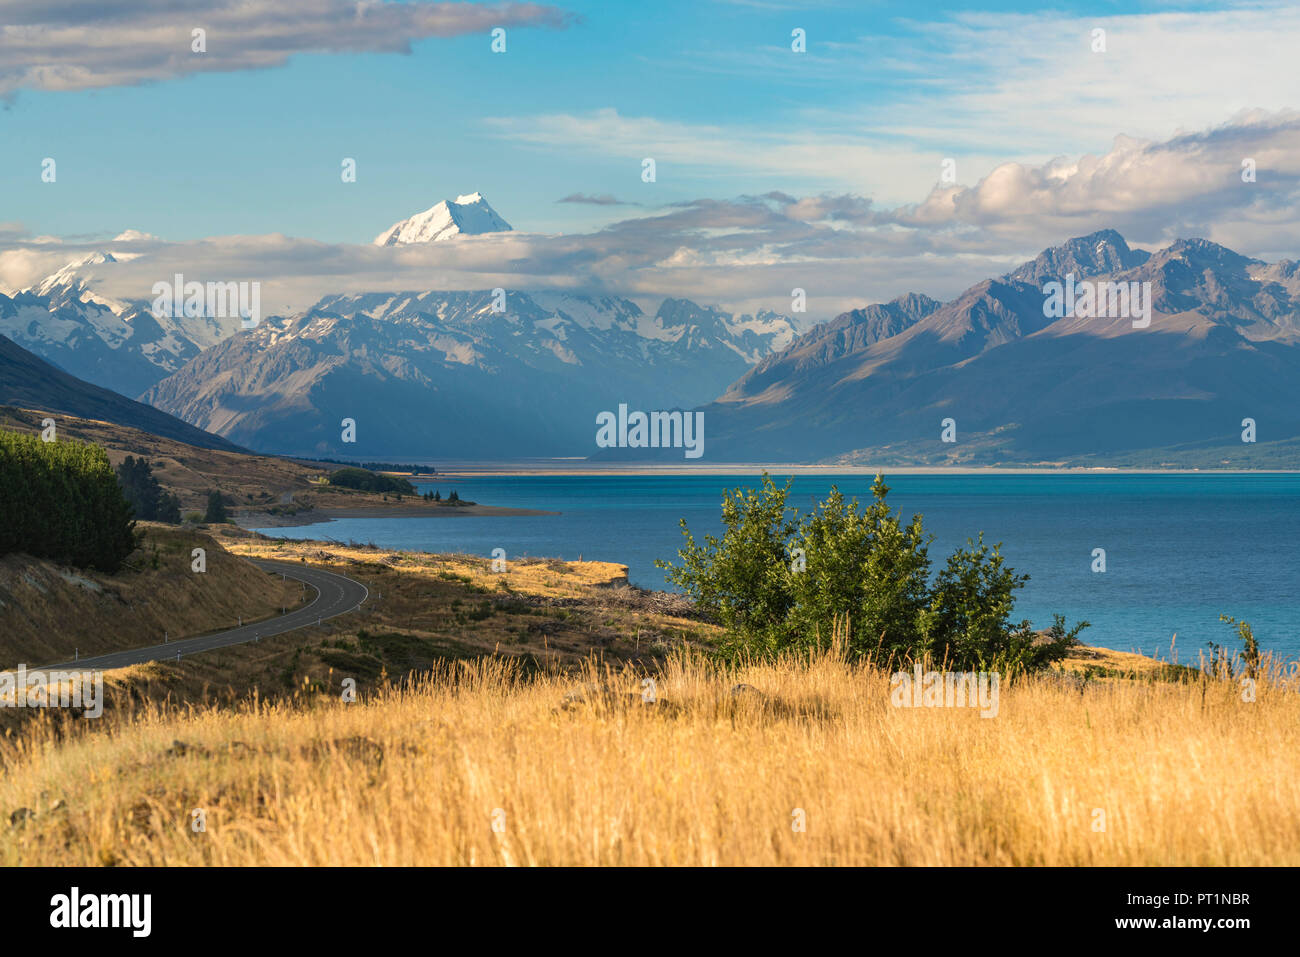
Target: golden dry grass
551	577
1186	774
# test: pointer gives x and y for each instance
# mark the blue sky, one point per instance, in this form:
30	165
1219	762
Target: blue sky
885	92
259	150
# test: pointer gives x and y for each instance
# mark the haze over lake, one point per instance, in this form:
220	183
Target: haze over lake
1180	549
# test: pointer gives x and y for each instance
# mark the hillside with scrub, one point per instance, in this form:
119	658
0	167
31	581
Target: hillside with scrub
549	713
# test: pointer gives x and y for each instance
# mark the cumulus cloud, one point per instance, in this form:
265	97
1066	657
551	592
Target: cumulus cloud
750	252
81	44
1192	183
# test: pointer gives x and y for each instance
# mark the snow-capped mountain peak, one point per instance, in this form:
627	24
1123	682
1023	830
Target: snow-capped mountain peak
69	275
466	215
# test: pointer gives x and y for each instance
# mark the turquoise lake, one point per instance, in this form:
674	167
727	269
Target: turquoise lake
1180	549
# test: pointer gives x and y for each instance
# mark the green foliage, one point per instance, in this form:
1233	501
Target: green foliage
970	611
777	580
62	501
216	513
866	565
1249	656
148	500
743	579
366	481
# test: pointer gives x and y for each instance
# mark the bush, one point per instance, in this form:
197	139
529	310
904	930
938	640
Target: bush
365	481
1248	659
742	579
866	565
216	513
778	581
62	501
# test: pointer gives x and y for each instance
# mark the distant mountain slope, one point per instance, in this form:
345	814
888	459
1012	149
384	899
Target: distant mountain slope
443	375
29	382
844	335
1223	345
113	343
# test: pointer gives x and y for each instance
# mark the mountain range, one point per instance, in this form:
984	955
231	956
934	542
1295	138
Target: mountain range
436	375
118	344
445	375
29	382
1024	387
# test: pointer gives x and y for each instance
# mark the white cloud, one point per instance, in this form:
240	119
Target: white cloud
983	88
750	252
76	44
1150	191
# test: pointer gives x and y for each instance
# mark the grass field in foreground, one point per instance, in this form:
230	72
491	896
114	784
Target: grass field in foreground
475	766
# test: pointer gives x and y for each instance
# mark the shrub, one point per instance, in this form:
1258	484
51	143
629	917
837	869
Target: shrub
743	579
1249	656
777	581
866	565
216	513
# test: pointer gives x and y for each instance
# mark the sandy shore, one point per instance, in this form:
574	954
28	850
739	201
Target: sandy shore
246	518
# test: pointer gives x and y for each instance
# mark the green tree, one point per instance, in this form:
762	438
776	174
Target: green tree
169	508
148	500
62	501
367	481
216	513
864	566
743	578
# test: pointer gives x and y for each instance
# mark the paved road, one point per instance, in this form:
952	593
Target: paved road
335	595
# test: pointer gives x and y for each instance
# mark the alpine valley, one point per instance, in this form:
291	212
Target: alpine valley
514	374
427	374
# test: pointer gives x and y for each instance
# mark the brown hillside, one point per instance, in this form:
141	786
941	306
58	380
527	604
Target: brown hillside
48	610
264	488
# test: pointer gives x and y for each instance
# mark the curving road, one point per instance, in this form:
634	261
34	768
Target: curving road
335	595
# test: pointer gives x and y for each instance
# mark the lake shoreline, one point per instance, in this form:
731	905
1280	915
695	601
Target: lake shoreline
507	470
319	516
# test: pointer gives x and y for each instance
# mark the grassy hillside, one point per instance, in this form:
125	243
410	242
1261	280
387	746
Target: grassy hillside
47	610
259	484
476	765
28	381
521	696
